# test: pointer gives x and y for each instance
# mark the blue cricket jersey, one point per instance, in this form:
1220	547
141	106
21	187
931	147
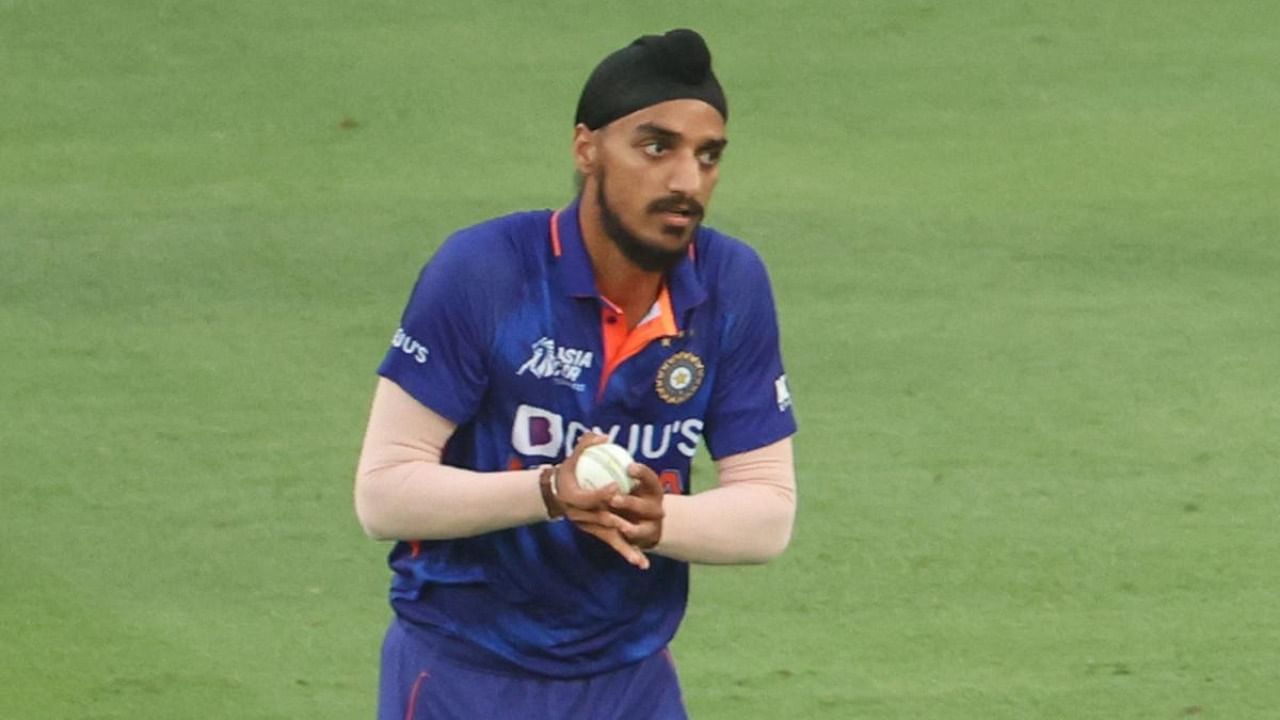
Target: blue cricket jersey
505	335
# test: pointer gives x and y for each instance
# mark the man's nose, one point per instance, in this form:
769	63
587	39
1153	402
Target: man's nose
685	176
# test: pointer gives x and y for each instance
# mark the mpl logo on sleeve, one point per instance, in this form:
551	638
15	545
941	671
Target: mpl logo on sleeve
563	365
782	392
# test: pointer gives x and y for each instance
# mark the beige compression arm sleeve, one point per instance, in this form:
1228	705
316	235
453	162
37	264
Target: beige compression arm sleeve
746	519
402	491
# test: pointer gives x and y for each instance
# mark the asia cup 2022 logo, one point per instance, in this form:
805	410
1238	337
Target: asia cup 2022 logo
563	365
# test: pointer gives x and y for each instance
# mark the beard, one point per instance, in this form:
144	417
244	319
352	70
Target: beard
646	255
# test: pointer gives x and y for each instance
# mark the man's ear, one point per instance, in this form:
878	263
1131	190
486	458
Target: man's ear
585	149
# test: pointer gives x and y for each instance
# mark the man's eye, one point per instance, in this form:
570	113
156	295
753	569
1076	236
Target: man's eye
654	148
709	157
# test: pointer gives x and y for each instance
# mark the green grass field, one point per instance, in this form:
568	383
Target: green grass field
1028	267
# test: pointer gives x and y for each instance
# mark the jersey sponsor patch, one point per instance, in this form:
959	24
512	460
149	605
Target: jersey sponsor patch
679	377
542	433
563	365
406	344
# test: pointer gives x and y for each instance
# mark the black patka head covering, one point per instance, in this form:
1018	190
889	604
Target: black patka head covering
653	69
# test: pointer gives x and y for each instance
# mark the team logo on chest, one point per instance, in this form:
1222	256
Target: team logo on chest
680	377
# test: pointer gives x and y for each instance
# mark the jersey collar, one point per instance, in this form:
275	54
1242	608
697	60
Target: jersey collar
578	279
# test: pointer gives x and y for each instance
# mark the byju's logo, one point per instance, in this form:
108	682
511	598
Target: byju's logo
562	364
406	344
540	432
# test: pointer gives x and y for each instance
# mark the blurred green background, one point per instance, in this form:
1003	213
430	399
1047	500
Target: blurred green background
1027	259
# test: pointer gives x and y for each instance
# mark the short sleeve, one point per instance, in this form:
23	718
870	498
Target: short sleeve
439	353
751	402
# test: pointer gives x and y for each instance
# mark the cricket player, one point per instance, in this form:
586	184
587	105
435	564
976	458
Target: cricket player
518	593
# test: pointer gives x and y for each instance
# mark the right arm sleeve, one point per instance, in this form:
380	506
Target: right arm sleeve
402	492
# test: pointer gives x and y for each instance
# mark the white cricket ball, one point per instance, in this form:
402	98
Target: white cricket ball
606	463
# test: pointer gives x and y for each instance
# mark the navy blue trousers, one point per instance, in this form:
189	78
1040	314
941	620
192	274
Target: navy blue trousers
425	677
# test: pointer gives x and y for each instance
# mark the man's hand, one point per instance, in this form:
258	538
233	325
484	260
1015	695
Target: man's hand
590	511
642	509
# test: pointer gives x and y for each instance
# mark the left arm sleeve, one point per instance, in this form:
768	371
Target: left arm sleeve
747	519
750	404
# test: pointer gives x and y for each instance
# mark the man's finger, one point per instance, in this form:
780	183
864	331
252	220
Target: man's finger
637	507
643	536
648	482
600	518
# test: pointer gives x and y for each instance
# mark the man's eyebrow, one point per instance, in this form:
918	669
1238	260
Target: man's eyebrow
657	130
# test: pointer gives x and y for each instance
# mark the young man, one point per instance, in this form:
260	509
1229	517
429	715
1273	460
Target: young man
518	593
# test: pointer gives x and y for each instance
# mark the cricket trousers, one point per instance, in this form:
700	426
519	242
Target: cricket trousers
428	677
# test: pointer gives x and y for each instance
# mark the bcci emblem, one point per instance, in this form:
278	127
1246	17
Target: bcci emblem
680	377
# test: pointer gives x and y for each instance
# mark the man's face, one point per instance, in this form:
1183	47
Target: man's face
653	173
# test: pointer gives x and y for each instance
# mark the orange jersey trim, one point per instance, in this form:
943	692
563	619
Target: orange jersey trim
555	234
621	343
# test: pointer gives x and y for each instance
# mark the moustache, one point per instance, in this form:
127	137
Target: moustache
677	204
